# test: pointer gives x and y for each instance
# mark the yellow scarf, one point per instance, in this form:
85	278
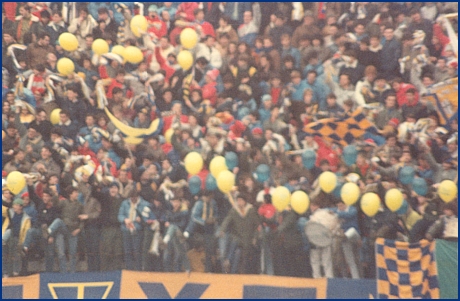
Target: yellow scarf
205	209
132	210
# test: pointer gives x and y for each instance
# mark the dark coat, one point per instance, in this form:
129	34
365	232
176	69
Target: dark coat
391	52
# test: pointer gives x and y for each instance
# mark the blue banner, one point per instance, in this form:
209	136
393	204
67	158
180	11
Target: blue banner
340	288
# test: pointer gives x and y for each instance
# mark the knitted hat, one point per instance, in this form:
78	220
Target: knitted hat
257	131
114	184
153	8
266	97
238	128
370	142
18	201
213	74
394	122
25	195
453	64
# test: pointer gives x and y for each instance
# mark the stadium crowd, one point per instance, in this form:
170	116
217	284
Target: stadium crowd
261	73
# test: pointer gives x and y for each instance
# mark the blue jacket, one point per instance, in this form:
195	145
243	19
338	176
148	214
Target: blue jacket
33	214
143	211
229	10
94	6
320	91
114	157
297	94
179	218
264	115
318	68
295	53
197	211
349	218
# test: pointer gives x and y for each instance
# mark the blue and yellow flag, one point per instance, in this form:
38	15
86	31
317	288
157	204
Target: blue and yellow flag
406	270
342	130
444	97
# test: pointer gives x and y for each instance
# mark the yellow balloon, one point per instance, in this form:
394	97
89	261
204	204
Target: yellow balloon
300	202
188	38
281	198
65	66
100	46
327	181
193	163
394	199
118	49
225	181
370	204
133	55
138	22
54	116
15	181
168	135
185	59
68	41
447	190
350	193
217	165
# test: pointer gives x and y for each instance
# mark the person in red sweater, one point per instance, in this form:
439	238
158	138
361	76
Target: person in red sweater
204	28
209	89
37	79
156	25
181	23
275	88
186	10
401	88
118	81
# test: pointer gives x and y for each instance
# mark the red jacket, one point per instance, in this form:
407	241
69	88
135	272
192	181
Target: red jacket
210	92
275	93
325	152
164	65
157	26
114	84
188	8
207	29
437	32
167	121
401	94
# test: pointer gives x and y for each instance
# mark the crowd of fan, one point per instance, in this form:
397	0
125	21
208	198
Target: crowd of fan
262	71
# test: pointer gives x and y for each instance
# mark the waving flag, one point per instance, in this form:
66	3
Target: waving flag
342	130
126	130
406	270
444	97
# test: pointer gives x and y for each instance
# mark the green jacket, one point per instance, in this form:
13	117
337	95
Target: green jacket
243	229
69	214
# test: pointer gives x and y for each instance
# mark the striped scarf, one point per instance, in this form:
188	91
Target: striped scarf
207	211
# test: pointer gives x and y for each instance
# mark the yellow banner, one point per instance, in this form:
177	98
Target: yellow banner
210	286
22	287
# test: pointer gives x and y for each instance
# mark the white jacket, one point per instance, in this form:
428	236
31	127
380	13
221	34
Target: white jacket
211	54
